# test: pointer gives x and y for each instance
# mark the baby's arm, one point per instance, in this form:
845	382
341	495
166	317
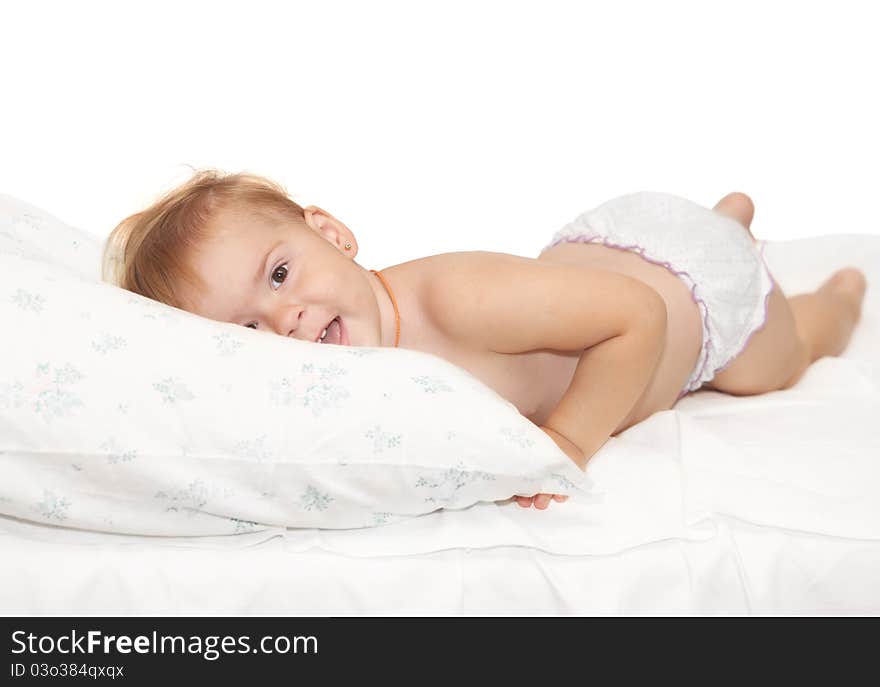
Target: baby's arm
511	304
610	377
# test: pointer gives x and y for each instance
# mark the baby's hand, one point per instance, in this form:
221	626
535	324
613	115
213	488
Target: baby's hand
540	501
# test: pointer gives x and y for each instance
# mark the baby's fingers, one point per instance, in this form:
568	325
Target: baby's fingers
542	501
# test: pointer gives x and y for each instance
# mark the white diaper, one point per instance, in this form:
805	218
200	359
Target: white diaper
710	252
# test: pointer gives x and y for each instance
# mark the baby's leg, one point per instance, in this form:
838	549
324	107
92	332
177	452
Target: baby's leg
798	330
825	319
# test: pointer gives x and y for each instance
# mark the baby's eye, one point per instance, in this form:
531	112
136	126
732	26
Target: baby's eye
282	270
279	274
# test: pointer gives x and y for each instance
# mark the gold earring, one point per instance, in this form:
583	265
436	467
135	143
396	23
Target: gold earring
347	246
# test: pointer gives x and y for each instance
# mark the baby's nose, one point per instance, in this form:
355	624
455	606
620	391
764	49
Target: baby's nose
286	321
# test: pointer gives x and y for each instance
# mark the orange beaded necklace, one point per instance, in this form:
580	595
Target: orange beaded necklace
394	303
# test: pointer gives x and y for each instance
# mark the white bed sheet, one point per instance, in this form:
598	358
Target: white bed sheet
767	504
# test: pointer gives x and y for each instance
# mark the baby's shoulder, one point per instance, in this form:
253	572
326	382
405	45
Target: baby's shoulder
469	269
449	284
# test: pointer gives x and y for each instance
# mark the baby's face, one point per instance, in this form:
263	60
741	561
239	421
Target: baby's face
286	278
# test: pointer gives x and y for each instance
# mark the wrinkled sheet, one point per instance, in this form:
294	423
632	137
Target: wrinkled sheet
765	504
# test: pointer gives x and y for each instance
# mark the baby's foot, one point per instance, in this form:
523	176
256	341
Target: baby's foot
741	208
541	501
850	284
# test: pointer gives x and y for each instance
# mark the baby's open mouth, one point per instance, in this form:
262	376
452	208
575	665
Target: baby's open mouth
332	333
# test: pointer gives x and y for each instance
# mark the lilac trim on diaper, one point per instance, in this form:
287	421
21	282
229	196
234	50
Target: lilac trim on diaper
764	321
641	253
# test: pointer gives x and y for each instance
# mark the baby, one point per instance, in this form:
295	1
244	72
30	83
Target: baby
631	306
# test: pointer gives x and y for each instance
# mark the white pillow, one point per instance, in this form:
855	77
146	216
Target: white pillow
121	414
29	231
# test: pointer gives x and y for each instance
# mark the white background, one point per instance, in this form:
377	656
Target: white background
444	126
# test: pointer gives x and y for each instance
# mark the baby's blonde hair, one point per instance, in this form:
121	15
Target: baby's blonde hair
148	252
